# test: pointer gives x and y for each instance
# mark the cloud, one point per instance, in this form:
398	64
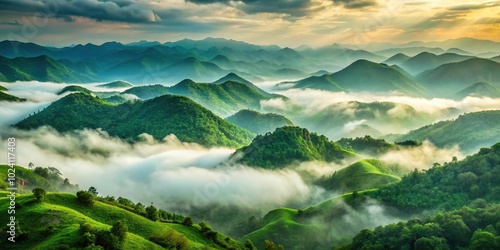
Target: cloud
356	4
421	157
111	10
176	176
291	7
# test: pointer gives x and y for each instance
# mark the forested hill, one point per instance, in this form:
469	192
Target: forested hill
159	117
288	145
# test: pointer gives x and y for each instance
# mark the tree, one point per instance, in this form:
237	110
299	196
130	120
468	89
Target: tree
54	171
120	230
31	166
482	240
269	245
188	221
152	213
93	191
39	193
431	243
249	245
43	172
84	197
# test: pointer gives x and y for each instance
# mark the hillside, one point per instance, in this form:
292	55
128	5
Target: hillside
41	68
362	175
469	131
55	223
453	77
466	228
479	89
289	145
10	98
259	123
158	117
48	178
115	84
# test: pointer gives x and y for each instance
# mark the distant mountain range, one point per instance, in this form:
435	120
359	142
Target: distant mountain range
415	68
158	117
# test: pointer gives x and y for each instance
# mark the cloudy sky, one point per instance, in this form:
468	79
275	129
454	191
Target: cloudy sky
282	22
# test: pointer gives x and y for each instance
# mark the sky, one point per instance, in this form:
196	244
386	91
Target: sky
281	22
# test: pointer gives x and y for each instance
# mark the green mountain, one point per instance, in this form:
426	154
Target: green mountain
289	145
362	175
41	68
158	117
469	131
363	75
74	88
425	61
116	84
259	123
397	59
453	77
479	89
223	99
234	78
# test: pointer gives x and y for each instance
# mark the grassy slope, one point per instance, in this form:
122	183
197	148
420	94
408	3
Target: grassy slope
64	213
362	175
31	179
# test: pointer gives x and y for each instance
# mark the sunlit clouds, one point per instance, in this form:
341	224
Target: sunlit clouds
286	23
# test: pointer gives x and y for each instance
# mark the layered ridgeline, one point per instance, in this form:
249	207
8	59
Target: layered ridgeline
450	78
362	75
290	145
479	89
224	98
425	61
469	131
41	68
259	123
49	219
471	182
158	117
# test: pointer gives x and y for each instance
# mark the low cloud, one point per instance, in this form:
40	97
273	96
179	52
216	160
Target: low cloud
422	157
